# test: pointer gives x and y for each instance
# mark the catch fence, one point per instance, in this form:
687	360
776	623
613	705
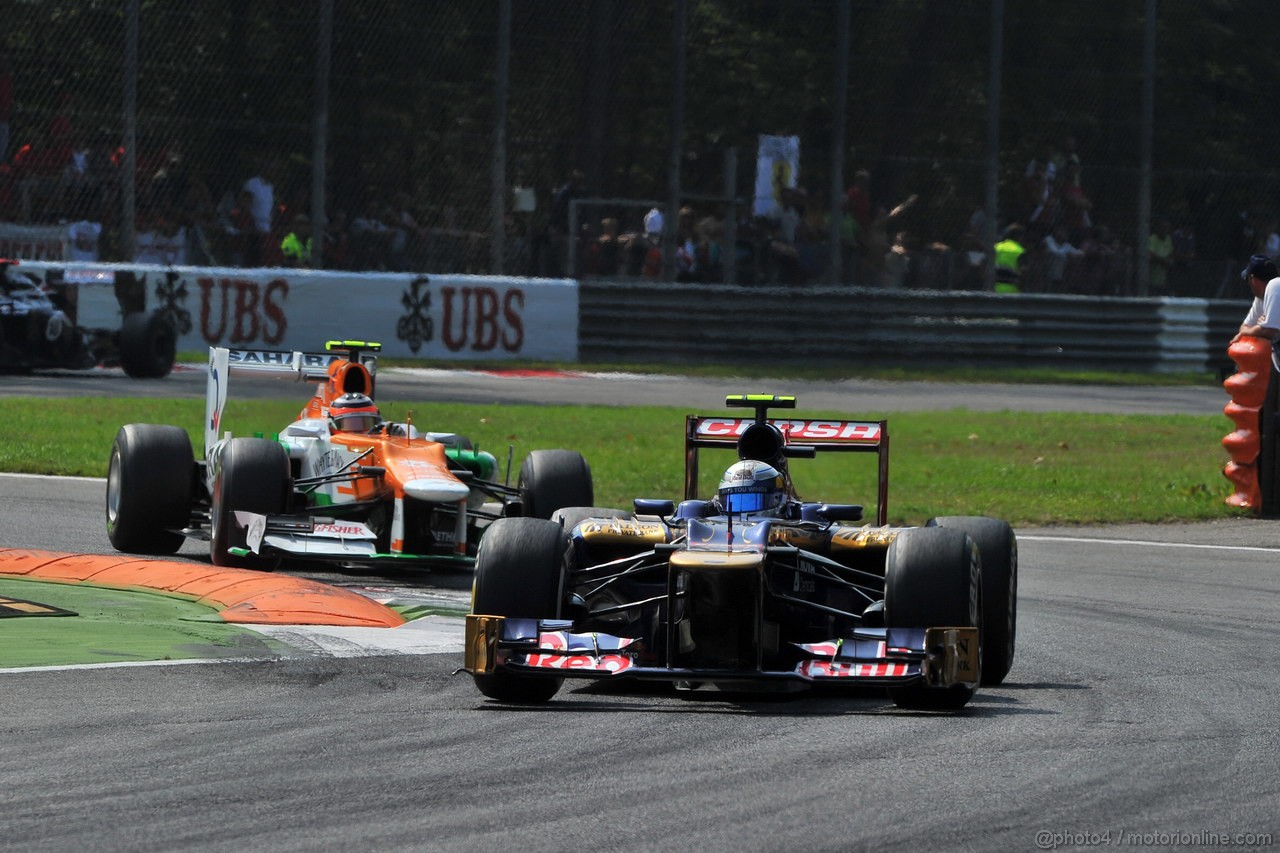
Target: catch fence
445	137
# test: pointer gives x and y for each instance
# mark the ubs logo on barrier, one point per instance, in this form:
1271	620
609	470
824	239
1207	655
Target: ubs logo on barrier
172	296
416	327
474	317
245	311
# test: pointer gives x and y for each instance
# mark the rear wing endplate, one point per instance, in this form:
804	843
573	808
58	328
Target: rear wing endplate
296	366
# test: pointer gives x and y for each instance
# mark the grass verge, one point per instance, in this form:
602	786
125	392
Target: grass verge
1028	468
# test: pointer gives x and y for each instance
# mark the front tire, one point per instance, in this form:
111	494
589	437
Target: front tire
998	548
252	476
520	573
149	486
551	479
932	579
148	345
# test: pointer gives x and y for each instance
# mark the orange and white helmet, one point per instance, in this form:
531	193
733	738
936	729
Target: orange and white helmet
353	413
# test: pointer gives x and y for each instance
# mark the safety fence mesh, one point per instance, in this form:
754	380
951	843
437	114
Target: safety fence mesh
403	98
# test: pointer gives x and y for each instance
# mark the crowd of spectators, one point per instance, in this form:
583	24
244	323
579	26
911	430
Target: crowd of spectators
61	175
1052	242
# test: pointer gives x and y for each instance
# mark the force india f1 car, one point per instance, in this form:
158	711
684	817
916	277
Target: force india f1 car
754	589
337	485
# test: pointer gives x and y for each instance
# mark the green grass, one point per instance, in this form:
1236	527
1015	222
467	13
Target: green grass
1030	469
114	625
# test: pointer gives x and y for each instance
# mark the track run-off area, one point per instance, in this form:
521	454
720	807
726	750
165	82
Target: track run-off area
1139	711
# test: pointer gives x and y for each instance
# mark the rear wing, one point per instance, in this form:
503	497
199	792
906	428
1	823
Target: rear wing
295	366
805	437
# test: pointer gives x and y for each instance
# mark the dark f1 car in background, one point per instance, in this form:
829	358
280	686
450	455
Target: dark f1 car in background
39	328
338	485
751	589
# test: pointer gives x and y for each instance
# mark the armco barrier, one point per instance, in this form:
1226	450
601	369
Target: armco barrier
492	318
814	325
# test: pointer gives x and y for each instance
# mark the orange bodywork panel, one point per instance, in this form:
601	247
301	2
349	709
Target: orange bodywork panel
405	459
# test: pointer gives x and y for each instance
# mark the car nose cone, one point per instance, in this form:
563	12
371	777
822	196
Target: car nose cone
436	489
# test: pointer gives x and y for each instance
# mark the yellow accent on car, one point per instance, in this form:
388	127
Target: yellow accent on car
717	560
617	531
480	652
861	538
369	345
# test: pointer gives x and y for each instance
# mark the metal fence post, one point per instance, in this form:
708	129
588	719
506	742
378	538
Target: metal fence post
498	177
1142	248
129	182
320	134
991	203
729	253
671	228
835	230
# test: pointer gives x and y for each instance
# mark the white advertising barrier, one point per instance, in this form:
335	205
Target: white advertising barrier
33	242
412	315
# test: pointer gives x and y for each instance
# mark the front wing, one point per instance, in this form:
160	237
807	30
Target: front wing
938	657
302	537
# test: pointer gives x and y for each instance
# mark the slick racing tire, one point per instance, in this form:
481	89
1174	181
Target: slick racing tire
149	487
148	345
520	572
570	517
932	579
252	476
551	479
998	549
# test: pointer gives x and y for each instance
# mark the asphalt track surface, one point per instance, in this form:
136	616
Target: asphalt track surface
855	397
1141	702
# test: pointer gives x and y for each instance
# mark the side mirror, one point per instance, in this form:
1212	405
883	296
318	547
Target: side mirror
654	506
799	451
832	512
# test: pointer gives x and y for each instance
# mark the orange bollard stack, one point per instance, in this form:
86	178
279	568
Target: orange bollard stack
1248	390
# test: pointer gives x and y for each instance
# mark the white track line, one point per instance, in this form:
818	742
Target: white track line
1146	543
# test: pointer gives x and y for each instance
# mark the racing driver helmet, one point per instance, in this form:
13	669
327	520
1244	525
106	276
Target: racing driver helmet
752	489
353	413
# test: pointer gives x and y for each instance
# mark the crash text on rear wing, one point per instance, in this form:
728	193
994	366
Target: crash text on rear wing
714	431
293	366
822	435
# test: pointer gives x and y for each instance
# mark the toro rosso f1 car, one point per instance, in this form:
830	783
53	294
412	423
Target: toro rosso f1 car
338	484
751	589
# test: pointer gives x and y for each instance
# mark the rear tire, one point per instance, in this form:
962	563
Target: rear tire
998	548
932	579
520	573
252	476
149	486
148	345
551	479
